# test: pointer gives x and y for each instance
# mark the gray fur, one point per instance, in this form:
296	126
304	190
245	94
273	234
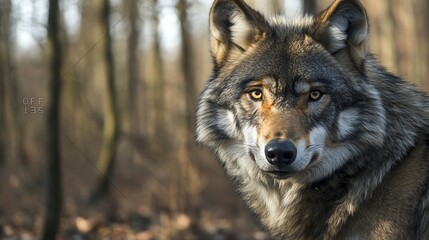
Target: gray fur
369	179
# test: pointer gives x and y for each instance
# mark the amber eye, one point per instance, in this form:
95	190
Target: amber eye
315	95
256	95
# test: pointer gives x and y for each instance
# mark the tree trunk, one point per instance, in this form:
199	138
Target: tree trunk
11	88
187	68
422	8
106	160
3	125
399	37
91	39
382	32
190	186
406	40
133	62
54	195
157	86
5	8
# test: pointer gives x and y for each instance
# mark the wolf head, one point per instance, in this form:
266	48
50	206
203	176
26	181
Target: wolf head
289	98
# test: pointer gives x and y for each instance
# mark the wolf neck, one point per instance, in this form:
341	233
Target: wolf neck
288	205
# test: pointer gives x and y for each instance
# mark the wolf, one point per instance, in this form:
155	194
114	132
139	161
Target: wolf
320	140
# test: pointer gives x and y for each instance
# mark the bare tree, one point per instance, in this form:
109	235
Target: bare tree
399	37
422	9
133	61
90	39
5	12
19	127
9	85
190	184
106	159
2	120
157	86
187	68
54	195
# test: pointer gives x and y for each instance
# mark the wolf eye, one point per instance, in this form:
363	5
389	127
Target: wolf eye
315	95
255	95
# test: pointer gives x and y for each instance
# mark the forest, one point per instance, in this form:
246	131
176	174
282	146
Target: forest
97	104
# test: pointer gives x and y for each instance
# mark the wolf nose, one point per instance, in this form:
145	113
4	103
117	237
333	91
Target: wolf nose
280	152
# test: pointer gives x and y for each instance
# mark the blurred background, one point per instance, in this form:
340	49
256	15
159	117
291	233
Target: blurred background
121	158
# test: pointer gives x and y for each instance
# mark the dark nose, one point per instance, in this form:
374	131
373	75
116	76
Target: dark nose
280	152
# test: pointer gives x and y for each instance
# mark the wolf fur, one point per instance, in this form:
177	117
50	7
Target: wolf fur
359	134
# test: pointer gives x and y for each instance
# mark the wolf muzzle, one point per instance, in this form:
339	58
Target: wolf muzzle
280	153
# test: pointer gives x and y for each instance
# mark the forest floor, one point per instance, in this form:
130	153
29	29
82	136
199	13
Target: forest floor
130	212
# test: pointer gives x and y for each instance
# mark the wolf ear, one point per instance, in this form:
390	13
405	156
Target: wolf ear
344	25
234	26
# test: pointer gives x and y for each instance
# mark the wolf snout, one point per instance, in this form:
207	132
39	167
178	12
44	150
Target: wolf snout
280	152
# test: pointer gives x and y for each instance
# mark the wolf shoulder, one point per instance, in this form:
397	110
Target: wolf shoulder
400	207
